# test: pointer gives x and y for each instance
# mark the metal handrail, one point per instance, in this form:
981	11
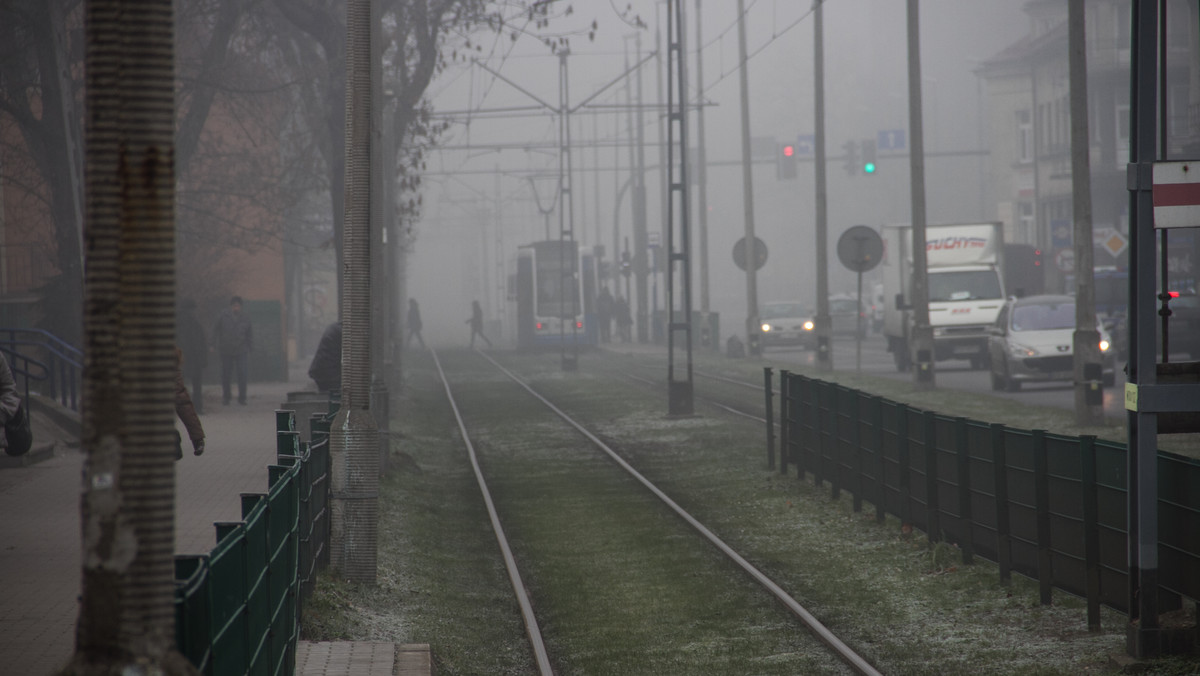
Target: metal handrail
61	369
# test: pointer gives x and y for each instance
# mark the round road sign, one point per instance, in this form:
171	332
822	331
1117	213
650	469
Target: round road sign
860	248
760	253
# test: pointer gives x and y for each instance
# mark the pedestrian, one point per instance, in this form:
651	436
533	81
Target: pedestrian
10	401
233	340
624	319
604	313
194	344
476	322
413	322
186	410
326	366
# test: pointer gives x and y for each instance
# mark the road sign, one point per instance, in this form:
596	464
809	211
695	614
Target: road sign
1176	194
1065	260
1112	241
890	139
760	253
860	248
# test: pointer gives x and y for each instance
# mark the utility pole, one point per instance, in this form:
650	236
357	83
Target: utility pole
641	267
824	325
708	336
922	332
569	277
678	248
752	326
1089	398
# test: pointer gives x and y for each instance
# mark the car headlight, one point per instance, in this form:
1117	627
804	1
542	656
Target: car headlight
766	327
1021	351
1104	345
808	325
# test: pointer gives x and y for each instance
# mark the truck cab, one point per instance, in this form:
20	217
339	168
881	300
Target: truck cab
963	303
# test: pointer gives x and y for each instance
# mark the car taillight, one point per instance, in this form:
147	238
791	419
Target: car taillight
539	326
579	325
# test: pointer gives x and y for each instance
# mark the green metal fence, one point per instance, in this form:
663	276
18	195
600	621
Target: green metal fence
1047	506
237	608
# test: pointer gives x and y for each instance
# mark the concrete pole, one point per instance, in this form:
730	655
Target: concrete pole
824	325
1086	341
922	332
752	324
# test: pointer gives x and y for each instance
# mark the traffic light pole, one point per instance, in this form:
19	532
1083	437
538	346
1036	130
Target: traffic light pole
752	324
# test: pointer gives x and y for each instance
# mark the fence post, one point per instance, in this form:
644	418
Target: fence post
1000	491
967	545
768	385
1041	482
818	466
856	441
1091	529
785	420
803	413
880	471
834	445
903	461
934	531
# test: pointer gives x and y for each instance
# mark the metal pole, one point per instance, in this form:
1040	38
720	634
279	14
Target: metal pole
1089	410
922	332
824	325
752	323
702	188
1143	632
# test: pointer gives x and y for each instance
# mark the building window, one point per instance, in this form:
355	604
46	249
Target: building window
1024	137
1025	222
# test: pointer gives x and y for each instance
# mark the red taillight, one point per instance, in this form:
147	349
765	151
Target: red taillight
539	326
1173	294
579	325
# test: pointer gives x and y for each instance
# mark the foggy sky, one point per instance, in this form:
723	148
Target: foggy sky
474	219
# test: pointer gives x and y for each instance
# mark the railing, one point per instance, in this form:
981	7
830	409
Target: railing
41	356
1047	506
237	609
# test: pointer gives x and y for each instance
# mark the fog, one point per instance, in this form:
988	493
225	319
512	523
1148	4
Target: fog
479	190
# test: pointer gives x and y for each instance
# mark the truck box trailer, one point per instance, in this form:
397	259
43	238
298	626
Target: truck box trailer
964	263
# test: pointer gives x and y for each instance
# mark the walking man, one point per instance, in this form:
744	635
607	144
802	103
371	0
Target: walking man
194	344
414	323
233	341
476	322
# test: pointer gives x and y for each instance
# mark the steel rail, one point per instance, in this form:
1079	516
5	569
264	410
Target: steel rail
847	654
710	402
514	576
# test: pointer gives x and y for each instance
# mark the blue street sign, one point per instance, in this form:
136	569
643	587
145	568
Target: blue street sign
805	143
891	139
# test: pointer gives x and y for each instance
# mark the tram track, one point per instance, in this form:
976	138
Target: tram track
856	663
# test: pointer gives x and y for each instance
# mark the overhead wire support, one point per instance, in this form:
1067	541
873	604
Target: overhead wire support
679	268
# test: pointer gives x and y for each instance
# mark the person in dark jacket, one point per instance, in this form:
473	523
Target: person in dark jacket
413	322
326	366
194	343
186	411
233	340
476	322
10	399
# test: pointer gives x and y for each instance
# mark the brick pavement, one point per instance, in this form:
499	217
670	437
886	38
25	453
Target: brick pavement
40	526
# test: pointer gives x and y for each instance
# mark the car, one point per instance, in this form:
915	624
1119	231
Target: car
786	323
847	316
1032	341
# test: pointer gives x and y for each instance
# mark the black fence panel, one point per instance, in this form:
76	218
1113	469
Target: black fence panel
1050	507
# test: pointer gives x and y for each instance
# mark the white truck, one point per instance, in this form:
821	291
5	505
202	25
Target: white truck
966	289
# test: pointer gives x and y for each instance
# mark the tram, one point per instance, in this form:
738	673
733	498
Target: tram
554	291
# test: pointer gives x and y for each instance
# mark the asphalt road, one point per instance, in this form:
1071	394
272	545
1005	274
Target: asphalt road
953	374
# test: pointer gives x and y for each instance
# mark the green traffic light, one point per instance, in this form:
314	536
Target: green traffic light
869	168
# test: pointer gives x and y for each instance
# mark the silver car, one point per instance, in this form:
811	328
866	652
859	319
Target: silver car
1032	342
786	323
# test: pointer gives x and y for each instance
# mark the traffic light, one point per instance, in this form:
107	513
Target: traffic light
1037	258
868	156
785	162
851	156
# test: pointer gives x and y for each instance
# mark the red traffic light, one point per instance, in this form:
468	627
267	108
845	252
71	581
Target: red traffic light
1037	258
788	151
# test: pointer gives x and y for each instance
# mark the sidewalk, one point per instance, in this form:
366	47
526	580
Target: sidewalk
40	524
